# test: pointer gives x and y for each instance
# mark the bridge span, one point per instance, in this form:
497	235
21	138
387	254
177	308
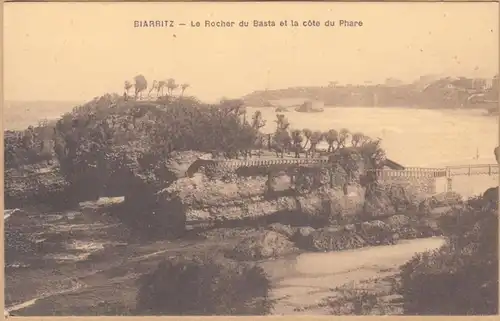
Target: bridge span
383	174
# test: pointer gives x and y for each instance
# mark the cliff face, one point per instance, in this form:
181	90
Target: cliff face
247	200
202	199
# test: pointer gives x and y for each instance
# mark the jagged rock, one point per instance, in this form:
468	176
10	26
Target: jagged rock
445	199
427	227
270	244
333	239
376	232
378	204
283	229
397	221
387	200
425	206
404	226
301	237
350	227
245	198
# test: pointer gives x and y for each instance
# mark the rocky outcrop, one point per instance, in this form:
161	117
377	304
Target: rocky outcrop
266	245
286	230
445	199
329	239
311	107
203	199
138	177
384	200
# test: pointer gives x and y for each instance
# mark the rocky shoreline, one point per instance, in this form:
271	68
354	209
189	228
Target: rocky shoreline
116	240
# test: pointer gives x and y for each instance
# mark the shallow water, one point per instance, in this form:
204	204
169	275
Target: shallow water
309	278
412	137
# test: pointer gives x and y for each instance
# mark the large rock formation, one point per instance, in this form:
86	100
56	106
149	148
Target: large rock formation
139	178
212	200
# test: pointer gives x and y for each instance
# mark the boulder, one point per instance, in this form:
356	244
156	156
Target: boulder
270	244
329	239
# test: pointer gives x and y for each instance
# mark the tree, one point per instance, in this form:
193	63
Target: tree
297	141
357	139
127	86
331	137
282	142
342	138
257	121
140	85
183	88
307	134
171	86
153	87
281	122
316	138
373	154
160	87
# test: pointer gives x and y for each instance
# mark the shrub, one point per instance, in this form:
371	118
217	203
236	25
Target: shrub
204	286
461	278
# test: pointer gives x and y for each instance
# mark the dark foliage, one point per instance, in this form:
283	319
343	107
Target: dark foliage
461	278
108	136
204	286
30	146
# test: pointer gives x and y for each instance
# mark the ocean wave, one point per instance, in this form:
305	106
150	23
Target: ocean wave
9	212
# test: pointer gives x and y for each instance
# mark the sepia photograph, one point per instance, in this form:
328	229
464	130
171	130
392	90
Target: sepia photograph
180	159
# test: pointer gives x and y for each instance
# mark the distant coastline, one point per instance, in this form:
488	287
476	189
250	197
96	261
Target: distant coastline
18	115
444	93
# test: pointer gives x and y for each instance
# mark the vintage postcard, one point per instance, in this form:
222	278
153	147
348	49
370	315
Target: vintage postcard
251	159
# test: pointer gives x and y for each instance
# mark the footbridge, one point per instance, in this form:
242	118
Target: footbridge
447	172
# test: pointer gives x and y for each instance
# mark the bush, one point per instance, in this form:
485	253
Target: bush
204	286
461	278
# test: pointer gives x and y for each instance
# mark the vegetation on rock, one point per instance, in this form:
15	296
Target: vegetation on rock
204	286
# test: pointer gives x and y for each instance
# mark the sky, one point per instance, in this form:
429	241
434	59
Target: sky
76	51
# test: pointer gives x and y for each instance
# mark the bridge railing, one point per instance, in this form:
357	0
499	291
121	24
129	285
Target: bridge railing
469	170
410	172
449	171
